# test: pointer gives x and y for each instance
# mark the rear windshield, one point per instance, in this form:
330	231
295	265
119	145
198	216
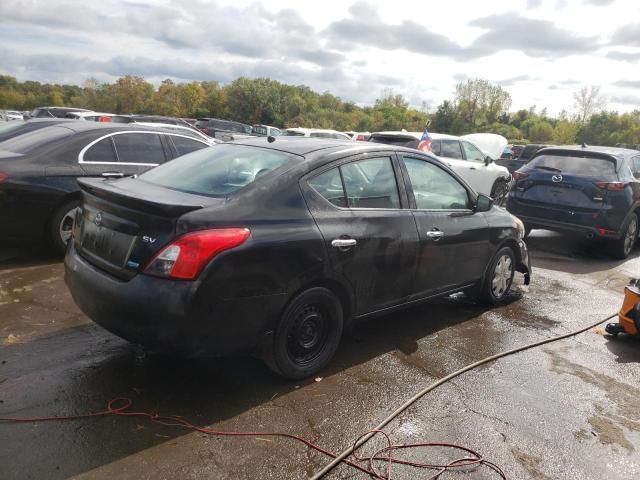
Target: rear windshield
408	142
216	171
592	166
30	141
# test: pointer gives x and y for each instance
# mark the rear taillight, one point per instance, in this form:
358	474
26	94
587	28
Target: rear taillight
3	177
360	138
519	175
105	119
611	186
185	258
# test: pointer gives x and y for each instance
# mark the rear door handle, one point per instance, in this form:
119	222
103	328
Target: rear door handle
344	243
113	174
435	235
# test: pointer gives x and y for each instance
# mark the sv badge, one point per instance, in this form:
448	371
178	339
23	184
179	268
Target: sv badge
148	239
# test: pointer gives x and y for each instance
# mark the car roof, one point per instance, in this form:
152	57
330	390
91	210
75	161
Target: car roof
617	152
311	130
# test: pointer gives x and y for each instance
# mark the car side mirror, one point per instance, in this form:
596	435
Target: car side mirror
488	160
484	203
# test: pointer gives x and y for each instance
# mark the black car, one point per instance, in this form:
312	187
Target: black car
593	191
14	129
54	112
225	130
273	247
39	170
517	162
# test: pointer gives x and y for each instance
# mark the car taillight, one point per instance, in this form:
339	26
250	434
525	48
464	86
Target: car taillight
105	119
3	177
519	175
360	138
611	186
185	258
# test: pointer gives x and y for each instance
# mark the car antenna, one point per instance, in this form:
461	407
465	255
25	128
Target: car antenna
271	139
584	145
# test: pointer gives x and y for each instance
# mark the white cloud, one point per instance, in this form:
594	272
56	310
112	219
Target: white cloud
540	55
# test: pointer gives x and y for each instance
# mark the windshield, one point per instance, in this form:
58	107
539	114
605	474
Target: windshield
591	166
216	171
292	133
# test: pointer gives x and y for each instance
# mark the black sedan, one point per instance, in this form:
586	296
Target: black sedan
41	162
272	247
592	191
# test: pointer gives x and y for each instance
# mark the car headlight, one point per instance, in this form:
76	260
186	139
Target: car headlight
520	226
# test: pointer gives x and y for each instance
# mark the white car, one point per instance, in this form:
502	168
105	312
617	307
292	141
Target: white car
470	156
315	132
193	132
10	115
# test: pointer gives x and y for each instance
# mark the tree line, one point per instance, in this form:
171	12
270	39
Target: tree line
477	106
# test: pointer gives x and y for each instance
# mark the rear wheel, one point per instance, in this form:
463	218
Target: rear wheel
499	191
622	247
499	278
308	334
61	226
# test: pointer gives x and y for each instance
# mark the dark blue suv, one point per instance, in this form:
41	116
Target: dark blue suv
593	191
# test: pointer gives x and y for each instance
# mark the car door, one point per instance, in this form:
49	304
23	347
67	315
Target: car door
451	154
478	174
454	243
371	240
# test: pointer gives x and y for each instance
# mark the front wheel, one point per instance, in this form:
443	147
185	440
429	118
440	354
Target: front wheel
499	278
622	247
499	191
308	334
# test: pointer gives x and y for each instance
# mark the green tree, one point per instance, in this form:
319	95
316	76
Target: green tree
132	94
541	132
565	133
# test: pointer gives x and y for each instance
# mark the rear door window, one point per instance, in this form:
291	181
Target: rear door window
451	149
575	165
435	147
329	185
101	151
371	183
143	148
186	145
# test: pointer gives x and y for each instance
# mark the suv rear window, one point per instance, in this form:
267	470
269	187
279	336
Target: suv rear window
216	171
398	141
574	165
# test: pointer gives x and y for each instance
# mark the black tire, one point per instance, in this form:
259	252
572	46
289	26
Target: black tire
308	334
60	226
499	278
623	247
499	191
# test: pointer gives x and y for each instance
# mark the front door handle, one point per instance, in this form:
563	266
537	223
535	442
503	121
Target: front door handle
344	243
113	174
435	235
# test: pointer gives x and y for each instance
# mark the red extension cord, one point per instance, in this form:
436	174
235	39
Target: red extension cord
120	407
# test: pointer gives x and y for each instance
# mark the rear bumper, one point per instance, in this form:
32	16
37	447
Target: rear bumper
562	219
168	315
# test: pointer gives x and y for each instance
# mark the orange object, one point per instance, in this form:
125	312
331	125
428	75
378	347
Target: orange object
629	311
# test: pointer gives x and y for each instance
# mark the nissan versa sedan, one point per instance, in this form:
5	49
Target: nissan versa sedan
40	165
272	246
592	191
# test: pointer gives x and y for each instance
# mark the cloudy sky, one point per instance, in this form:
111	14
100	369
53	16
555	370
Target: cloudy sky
541	51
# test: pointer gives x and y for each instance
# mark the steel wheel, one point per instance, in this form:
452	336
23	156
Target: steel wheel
630	235
500	191
308	334
502	276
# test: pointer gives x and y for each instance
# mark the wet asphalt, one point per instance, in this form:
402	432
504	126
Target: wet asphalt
567	410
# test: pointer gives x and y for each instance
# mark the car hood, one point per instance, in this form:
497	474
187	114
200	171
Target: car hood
490	143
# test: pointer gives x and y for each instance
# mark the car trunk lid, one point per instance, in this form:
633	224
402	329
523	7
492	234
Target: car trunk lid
564	188
123	223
